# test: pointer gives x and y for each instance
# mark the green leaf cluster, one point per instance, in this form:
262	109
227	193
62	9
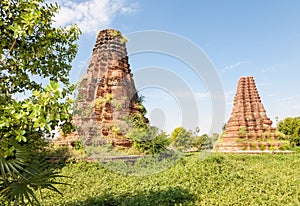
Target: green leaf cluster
23	124
31	50
148	140
289	128
31	46
184	140
34	116
100	102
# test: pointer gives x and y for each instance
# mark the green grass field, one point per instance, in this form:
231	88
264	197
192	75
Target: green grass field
219	179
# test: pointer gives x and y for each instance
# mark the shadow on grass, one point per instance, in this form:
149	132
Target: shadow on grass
168	197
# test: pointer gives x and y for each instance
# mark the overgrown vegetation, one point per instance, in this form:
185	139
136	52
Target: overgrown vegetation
148	140
185	140
116	33
242	132
289	129
100	102
219	179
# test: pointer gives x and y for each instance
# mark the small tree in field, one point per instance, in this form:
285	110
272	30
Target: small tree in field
149	140
182	138
290	128
185	140
31	47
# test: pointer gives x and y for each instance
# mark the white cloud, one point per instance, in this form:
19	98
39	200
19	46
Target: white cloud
296	107
289	98
202	95
197	95
273	67
190	94
235	65
272	95
91	15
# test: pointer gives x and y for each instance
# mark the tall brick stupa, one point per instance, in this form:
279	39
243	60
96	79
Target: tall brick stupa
107	95
248	128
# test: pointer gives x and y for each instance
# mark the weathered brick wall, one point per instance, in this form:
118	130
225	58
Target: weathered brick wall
107	93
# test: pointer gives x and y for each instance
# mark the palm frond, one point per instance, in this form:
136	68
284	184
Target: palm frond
23	174
13	163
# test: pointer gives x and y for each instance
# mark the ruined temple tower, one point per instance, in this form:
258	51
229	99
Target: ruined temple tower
107	95
248	128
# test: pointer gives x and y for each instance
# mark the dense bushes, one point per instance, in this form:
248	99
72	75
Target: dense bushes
149	140
185	140
218	179
289	129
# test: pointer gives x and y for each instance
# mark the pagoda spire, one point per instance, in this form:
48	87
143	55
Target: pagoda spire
248	128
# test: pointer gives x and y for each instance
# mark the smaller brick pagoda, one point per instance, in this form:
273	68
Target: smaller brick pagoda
248	128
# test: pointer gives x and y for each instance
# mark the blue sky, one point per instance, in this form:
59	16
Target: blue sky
241	38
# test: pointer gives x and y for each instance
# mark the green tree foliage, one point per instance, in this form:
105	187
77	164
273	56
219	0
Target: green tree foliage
290	127
31	48
182	139
138	120
200	141
149	140
30	45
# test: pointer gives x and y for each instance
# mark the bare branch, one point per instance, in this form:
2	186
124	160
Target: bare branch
9	51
